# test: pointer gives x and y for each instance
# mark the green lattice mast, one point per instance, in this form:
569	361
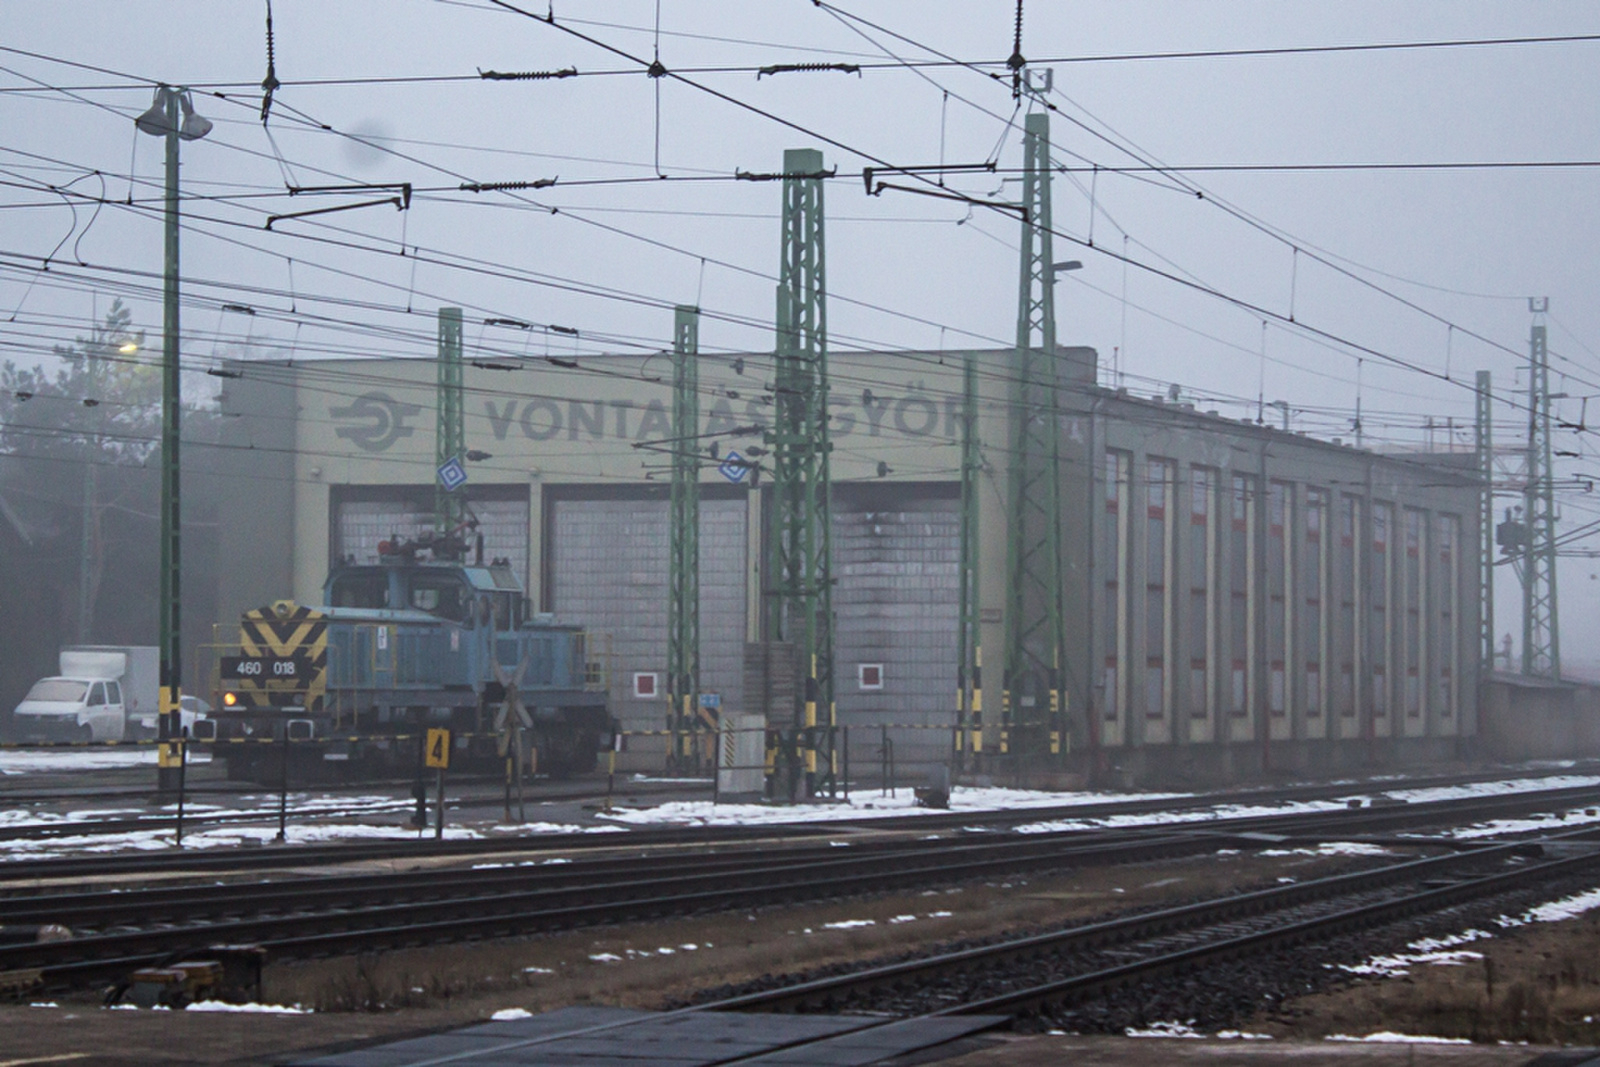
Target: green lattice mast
969	637
800	593
683	581
1541	641
1484	439
450	431
1033	700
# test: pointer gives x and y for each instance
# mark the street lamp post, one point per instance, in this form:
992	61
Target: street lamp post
171	116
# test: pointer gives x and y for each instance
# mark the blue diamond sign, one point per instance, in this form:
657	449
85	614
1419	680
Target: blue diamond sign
734	467
452	475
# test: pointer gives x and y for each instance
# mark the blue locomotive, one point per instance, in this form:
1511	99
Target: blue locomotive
420	639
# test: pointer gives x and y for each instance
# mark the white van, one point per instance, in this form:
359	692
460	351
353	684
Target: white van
72	709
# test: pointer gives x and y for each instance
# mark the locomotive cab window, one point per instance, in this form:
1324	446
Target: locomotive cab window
361	591
444	596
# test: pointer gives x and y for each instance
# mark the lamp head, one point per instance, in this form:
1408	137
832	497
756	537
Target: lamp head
194	126
154	120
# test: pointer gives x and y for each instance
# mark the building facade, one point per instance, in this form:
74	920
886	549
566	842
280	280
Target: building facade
1238	597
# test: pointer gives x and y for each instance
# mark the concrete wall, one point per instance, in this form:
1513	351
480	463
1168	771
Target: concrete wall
1524	719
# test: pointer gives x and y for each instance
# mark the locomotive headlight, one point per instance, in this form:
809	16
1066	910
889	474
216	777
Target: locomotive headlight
230	700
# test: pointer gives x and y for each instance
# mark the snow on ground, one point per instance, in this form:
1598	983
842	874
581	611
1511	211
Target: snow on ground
1172	1029
214	837
507	1014
35	760
1436	951
1555	911
1330	848
1232	811
259	834
265	807
250	1009
873	803
1555	821
868	804
1442	951
1389	1037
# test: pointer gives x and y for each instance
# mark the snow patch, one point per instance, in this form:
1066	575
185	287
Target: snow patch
1172	1029
898	802
248	1009
850	924
507	1014
1389	1037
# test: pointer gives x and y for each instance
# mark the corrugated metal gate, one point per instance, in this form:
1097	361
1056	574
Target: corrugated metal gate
364	515
608	571
896	552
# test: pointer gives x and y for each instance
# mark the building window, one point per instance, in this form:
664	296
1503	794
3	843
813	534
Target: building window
1241	559
869	676
1449	535
1415	590
1382	621
1348	638
1280	594
1314	622
1117	536
1202	583
1160	491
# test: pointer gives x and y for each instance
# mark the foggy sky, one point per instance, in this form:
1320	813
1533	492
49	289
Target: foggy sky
1503	235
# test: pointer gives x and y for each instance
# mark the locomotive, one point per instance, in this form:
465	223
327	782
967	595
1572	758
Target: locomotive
419	639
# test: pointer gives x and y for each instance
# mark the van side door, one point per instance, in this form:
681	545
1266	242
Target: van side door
94	710
116	713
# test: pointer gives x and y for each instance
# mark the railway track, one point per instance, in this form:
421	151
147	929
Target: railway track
1064	967
1375	818
630	789
326	915
255	859
1049	976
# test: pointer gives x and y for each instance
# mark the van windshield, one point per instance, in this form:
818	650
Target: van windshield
58	689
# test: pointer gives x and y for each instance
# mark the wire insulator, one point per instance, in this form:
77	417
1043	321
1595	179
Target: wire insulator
799	68
507	187
526	75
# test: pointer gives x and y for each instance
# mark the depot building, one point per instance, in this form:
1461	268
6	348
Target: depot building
1237	597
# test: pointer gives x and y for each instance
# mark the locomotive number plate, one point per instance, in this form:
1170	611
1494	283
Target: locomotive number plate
266	668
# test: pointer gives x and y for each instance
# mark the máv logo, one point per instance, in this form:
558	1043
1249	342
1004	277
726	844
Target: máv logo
382	421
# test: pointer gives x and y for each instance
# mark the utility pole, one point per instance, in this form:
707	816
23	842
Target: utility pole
969	636
1483	438
162	119
800	596
1033	697
683	548
1541	640
450	441
89	545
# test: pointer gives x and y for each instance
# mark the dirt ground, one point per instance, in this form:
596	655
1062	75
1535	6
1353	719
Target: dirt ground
1538	983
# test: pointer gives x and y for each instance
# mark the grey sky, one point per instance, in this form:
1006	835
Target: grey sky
1507	233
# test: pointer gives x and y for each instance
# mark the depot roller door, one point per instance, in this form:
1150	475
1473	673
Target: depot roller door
895	600
608	572
362	516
